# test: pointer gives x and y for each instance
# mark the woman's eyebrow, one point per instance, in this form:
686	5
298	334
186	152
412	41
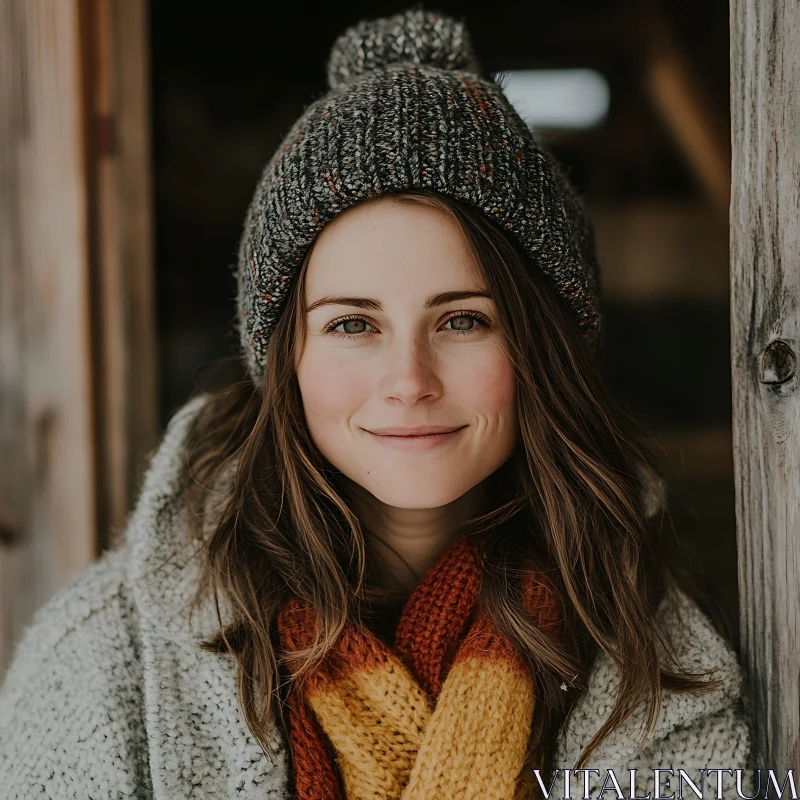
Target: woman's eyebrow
373	305
450	297
358	302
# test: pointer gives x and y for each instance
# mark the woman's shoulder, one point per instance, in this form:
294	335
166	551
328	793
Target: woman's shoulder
687	642
70	704
691	725
689	636
99	589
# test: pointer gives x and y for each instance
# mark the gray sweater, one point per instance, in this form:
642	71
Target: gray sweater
107	695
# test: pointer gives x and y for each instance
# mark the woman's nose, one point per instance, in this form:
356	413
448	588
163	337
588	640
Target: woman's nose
410	374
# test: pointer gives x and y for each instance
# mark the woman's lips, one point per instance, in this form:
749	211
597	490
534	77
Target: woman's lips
419	439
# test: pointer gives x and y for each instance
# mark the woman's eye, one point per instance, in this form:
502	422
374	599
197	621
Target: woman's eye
462	323
353	326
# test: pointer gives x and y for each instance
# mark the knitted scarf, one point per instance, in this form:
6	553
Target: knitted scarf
446	712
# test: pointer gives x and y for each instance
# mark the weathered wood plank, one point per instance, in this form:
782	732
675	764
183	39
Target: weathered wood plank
77	323
116	56
46	417
132	46
765	297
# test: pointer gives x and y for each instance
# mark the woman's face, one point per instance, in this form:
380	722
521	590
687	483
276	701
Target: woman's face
405	381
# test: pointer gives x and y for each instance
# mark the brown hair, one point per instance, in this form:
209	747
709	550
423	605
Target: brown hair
581	499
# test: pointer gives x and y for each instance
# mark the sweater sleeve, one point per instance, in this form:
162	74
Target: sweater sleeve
709	731
716	741
71	721
693	731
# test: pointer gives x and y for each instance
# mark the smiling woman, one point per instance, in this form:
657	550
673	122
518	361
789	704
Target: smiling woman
444	442
413	553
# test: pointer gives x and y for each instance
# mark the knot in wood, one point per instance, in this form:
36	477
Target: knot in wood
778	363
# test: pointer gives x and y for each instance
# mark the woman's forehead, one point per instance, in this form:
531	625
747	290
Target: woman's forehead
391	246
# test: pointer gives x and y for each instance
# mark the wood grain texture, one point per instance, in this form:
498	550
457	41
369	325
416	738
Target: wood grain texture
47	477
77	324
765	308
132	43
116	56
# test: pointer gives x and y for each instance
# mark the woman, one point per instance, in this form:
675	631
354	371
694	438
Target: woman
412	553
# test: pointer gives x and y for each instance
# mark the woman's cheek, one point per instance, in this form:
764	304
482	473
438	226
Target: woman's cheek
486	383
332	390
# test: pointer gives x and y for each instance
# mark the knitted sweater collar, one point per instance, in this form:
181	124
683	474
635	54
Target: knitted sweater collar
198	740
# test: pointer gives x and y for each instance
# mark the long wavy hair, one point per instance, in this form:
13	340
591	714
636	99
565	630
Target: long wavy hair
581	499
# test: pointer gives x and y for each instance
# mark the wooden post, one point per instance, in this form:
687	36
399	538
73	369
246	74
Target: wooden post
116	57
765	329
47	466
77	329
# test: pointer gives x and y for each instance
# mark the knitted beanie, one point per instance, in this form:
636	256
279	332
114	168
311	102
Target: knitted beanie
406	109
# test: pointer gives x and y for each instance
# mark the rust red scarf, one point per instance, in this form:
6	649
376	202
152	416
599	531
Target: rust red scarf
446	712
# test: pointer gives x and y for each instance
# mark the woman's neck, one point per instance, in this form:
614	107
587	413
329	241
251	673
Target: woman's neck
404	543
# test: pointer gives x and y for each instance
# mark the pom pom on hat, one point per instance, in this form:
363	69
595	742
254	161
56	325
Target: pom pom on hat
416	36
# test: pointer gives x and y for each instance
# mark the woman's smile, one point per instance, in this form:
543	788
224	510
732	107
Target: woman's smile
419	439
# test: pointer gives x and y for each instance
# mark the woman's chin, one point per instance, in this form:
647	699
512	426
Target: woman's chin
414	494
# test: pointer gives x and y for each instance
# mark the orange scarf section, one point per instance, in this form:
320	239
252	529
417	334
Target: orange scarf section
445	712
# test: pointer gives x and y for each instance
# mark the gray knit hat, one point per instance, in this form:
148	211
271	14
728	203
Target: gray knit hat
408	109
